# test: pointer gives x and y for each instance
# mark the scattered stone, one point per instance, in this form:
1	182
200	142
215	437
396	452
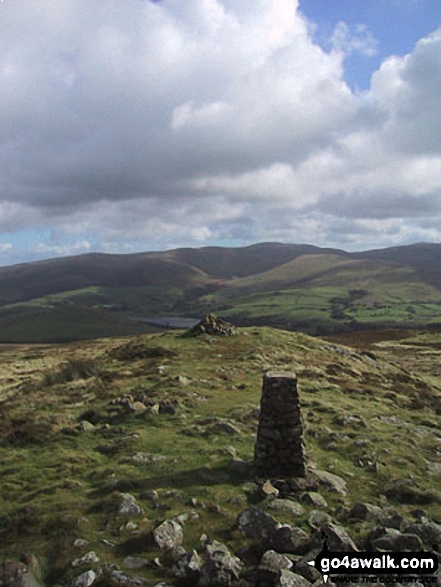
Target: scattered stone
319	520
120	579
289	579
394	520
188	566
168	535
275	562
429	532
129	506
84	580
86	426
286	506
365	511
256	524
349	420
150	495
311	574
407	491
332	482
394	540
338	538
212	325
315	499
292	540
269	490
220	567
88	559
17	574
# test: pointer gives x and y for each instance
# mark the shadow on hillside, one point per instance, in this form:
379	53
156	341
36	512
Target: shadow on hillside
202	476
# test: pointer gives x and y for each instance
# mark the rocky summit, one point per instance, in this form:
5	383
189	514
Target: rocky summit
130	462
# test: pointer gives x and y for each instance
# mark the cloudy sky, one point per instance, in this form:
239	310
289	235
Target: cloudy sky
129	125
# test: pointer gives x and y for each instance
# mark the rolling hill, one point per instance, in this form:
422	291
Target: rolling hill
285	285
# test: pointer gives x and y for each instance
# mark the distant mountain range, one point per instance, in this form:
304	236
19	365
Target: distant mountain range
318	290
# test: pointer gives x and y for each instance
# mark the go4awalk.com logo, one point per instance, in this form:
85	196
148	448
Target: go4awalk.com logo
371	567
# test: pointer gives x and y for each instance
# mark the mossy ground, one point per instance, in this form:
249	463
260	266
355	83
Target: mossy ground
60	482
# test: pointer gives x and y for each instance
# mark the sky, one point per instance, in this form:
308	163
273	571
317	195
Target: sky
133	125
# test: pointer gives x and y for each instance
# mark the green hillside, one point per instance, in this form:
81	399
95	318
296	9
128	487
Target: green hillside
165	420
288	286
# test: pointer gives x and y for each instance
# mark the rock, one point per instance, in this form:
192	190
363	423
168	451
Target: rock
188	567
256	524
338	539
150	495
84	580
289	579
350	420
16	574
332	482
286	506
86	426
88	559
292	540
212	325
168	535
394	520
394	540
275	562
269	490
429	532
220	567
407	491
319	520
129	506
311	574
119	579
315	499
365	511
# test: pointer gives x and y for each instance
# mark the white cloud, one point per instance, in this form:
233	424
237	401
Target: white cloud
172	123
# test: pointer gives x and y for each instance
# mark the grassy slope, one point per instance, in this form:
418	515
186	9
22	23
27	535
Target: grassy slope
64	323
59	483
289	286
309	288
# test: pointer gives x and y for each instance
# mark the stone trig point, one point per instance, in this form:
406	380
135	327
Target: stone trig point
279	450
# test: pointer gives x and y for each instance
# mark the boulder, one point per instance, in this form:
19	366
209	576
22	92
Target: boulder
292	540
84	580
168	535
220	568
88	559
393	540
315	499
188	567
365	511
129	506
338	538
286	506
334	483
257	525
429	532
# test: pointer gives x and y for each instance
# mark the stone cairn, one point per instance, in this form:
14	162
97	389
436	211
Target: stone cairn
213	325
279	450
